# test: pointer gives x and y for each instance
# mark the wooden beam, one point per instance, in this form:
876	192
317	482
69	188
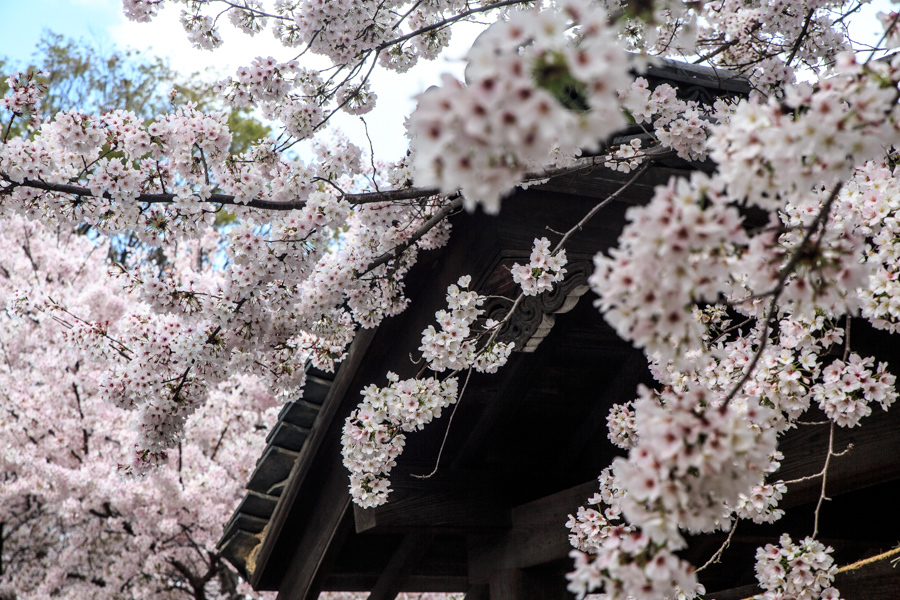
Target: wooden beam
538	535
519	375
268	573
875	578
507	585
449	502
621	389
872	460
326	512
331	557
401	565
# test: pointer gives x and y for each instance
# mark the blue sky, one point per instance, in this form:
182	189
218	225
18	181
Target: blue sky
22	22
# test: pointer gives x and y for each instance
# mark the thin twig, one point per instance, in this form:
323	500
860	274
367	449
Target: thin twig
446	22
728	330
447	432
578	226
718	554
371	154
728	44
846	337
822	496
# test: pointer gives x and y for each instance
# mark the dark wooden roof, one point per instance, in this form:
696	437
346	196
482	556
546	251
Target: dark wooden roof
527	443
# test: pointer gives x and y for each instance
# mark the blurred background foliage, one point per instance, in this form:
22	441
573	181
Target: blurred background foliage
95	78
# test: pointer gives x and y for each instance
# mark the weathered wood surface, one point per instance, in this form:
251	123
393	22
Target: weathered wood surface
507	585
538	535
400	567
264	577
450	501
313	540
874	457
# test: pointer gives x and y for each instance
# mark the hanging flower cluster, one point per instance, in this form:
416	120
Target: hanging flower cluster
677	250
373	433
544	269
790	571
525	78
848	388
620	558
677	124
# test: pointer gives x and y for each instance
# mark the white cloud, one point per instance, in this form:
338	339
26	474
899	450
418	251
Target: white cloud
165	37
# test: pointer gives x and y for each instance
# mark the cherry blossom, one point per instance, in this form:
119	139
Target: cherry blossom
804	570
544	269
74	528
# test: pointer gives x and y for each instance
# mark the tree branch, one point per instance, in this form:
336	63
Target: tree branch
430	224
786	272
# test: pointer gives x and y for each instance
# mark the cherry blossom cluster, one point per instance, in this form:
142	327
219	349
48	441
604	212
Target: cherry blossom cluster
591	525
804	31
265	81
677	124
828	271
393	33
456	345
632	566
798	571
452	347
761	504
544	269
695	455
847	389
141	11
282	282
785	373
625	157
76	529
619	558
372	438
25	92
677	250
620	425
373	435
482	138
871	197
770	153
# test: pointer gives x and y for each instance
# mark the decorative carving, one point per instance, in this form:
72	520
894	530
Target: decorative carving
534	317
698	93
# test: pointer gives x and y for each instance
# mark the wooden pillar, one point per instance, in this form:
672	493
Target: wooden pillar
478	592
540	583
507	585
400	566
